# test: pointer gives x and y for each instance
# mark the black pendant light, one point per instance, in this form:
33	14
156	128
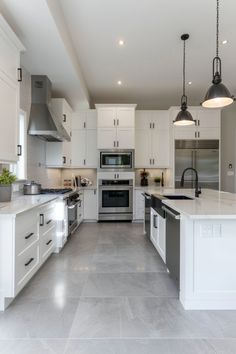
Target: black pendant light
184	117
217	95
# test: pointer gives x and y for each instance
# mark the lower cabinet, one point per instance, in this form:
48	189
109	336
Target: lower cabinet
138	205
90	204
26	241
158	233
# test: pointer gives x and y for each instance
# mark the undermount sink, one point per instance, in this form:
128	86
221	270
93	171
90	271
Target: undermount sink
183	197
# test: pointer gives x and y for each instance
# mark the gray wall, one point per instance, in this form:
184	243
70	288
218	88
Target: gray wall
228	148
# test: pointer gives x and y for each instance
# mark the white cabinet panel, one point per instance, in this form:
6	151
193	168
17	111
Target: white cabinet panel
9	58
158	233
160	148
58	154
106	117
139	205
106	138
91	149
86	119
158	119
78	148
185	133
125	138
143	148
125	117
9	102
209	118
90	204
62	109
208	133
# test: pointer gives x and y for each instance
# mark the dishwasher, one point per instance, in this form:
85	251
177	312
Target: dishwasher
172	243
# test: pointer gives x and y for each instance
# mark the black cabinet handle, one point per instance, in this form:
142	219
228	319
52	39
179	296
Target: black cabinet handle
63	159
28	236
19	71
48	222
84	124
48	243
41	223
19	150
154	221
28	263
64	118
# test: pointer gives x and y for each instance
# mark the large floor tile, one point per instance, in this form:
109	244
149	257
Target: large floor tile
223	346
95	346
97	318
38	318
130	284
32	346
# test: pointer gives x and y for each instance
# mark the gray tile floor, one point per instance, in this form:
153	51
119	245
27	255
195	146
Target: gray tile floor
108	292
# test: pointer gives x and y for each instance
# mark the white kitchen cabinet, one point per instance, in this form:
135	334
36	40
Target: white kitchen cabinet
84	148
90	204
10	48
143	148
63	110
58	154
158	119
116	126
160	148
139	205
158	233
86	119
47	230
115	175
207	124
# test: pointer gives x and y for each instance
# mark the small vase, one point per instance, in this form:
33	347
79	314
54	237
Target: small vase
5	192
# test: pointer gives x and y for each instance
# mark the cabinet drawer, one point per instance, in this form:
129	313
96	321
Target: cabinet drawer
47	243
46	219
26	265
26	237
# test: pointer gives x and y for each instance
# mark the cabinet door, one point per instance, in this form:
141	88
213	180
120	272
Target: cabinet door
125	138
185	133
208	133
9	102
125	117
91	119
159	120
79	120
142	120
90	204
66	153
106	117
154	227
106	138
66	116
160	148
209	118
10	57
143	148
139	205
91	148
161	243
78	147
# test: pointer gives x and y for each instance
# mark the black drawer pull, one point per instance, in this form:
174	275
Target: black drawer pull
48	243
48	222
28	236
28	263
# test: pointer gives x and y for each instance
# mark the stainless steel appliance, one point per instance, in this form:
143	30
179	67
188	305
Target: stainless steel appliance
202	155
32	188
172	243
115	199
113	160
55	190
147	210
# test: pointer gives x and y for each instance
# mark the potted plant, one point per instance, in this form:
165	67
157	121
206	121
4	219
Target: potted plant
157	180
144	177
6	180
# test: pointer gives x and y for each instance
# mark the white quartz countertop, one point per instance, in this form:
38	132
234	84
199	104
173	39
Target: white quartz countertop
20	204
211	204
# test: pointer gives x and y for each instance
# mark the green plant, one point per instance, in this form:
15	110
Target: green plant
157	179
7	177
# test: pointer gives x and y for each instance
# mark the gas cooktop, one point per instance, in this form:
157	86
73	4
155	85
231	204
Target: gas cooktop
55	190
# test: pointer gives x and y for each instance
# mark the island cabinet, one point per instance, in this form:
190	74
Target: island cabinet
207	124
90	205
158	233
26	241
115	126
152	139
10	76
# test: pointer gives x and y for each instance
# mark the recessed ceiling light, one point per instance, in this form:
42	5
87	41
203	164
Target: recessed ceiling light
190	82
119	82
224	41
121	42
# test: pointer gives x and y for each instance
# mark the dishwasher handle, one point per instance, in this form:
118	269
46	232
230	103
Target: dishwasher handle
168	211
147	196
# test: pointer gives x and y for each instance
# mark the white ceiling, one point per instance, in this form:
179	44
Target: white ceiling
76	46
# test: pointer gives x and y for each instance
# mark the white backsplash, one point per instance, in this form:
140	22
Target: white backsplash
89	173
152	174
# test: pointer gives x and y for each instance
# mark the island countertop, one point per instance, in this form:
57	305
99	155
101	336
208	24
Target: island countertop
211	204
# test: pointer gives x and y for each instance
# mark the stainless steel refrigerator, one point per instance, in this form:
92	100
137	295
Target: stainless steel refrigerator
203	155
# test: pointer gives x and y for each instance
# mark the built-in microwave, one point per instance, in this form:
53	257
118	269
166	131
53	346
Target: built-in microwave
116	160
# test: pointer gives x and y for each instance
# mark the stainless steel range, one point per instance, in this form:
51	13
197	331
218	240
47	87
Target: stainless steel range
115	199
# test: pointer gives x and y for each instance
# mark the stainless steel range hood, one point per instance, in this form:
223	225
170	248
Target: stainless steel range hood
43	122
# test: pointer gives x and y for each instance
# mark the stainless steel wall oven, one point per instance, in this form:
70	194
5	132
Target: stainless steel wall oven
115	199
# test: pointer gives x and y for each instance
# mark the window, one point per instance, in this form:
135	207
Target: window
19	169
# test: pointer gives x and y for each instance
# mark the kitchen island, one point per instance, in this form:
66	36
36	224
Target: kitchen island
207	247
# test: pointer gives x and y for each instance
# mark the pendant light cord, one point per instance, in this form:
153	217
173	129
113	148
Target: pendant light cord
217	28
184	70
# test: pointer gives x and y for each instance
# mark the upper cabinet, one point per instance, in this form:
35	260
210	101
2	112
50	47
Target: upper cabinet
116	126
207	124
152	147
58	154
63	110
86	119
10	75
